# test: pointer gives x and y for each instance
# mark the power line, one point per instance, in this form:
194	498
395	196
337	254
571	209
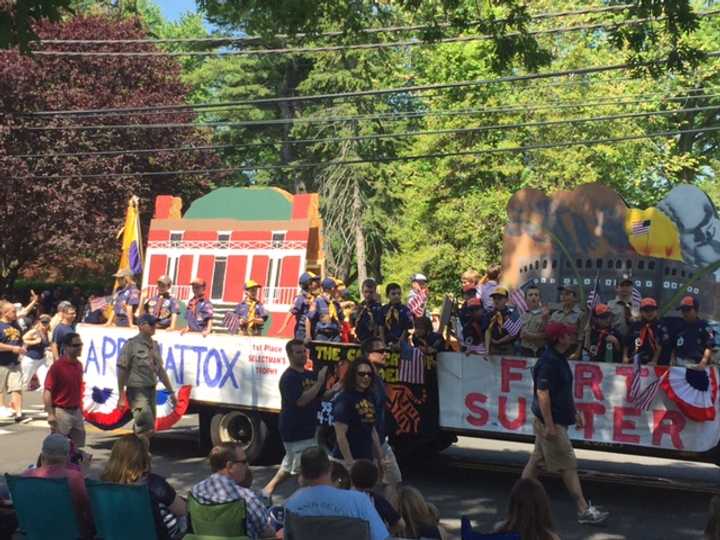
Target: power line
365	93
380	136
650	98
211	108
349	47
378	30
526	148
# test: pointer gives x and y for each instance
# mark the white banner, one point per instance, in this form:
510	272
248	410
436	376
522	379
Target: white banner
495	394
221	369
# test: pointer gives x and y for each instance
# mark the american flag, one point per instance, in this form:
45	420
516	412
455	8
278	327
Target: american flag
412	366
416	303
513	325
593	298
642	399
517	297
99	302
232	322
641	227
636	297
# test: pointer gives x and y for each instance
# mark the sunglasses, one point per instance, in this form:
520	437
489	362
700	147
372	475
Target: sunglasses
367	374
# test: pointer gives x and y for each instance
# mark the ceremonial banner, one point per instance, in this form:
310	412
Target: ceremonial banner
220	369
413	405
494	394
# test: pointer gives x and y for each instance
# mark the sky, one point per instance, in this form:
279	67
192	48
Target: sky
173	9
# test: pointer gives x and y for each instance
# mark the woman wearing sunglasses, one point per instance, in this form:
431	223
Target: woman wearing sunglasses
37	341
355	416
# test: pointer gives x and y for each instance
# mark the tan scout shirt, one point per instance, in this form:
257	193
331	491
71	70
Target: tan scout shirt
619	321
575	317
140	356
534	323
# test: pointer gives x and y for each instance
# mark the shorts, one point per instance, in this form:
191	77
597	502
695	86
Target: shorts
70	422
552	455
391	469
293	450
10	379
141	400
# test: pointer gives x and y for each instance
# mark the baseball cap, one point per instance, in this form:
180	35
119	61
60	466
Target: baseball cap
500	291
555	330
197	281
328	283
251	284
164	279
125	272
625	279
601	310
688	302
305	278
56	445
648	303
418	277
146	318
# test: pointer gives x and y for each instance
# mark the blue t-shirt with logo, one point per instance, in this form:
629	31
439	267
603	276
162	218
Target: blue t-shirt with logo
296	423
10	334
357	410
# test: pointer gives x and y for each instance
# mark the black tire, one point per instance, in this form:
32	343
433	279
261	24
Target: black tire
247	429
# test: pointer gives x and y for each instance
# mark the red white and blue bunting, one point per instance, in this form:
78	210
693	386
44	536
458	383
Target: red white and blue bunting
167	414
694	391
100	408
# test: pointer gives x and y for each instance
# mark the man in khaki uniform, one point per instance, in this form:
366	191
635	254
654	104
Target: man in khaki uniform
139	367
532	335
621	308
571	314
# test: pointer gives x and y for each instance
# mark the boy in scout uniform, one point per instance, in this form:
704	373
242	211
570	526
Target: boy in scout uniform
499	337
570	314
125	301
694	339
649	338
368	314
251	311
534	320
325	316
163	306
199	311
602	342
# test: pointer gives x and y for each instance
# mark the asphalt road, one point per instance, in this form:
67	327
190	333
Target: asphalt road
472	478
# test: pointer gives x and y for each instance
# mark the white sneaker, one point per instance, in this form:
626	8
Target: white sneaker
592	516
6	412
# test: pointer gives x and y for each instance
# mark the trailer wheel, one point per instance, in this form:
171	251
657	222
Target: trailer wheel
247	429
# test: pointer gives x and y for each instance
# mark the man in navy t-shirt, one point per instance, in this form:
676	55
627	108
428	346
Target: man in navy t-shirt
11	348
66	326
554	409
300	391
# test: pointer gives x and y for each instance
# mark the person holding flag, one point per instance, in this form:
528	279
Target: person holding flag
502	325
418	297
251	312
622	308
125	300
649	338
163	306
533	320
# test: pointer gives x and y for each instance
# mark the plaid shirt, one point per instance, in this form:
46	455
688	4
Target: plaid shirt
219	488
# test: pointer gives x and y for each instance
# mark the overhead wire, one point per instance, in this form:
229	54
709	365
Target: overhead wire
390	116
436	155
377	30
365	93
381	136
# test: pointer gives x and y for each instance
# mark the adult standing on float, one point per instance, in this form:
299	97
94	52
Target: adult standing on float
621	307
163	306
199	311
570	314
125	301
139	367
554	409
251	311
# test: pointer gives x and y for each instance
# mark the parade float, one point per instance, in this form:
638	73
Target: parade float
588	237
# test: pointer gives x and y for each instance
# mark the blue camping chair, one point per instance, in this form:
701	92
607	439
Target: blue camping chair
122	512
44	508
466	533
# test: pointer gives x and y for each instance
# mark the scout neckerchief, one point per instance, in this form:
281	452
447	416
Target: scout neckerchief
392	316
332	310
365	308
497	321
159	303
647	333
601	346
252	309
193	305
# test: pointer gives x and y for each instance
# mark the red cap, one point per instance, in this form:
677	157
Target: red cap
601	310
555	330
648	303
688	302
470	287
